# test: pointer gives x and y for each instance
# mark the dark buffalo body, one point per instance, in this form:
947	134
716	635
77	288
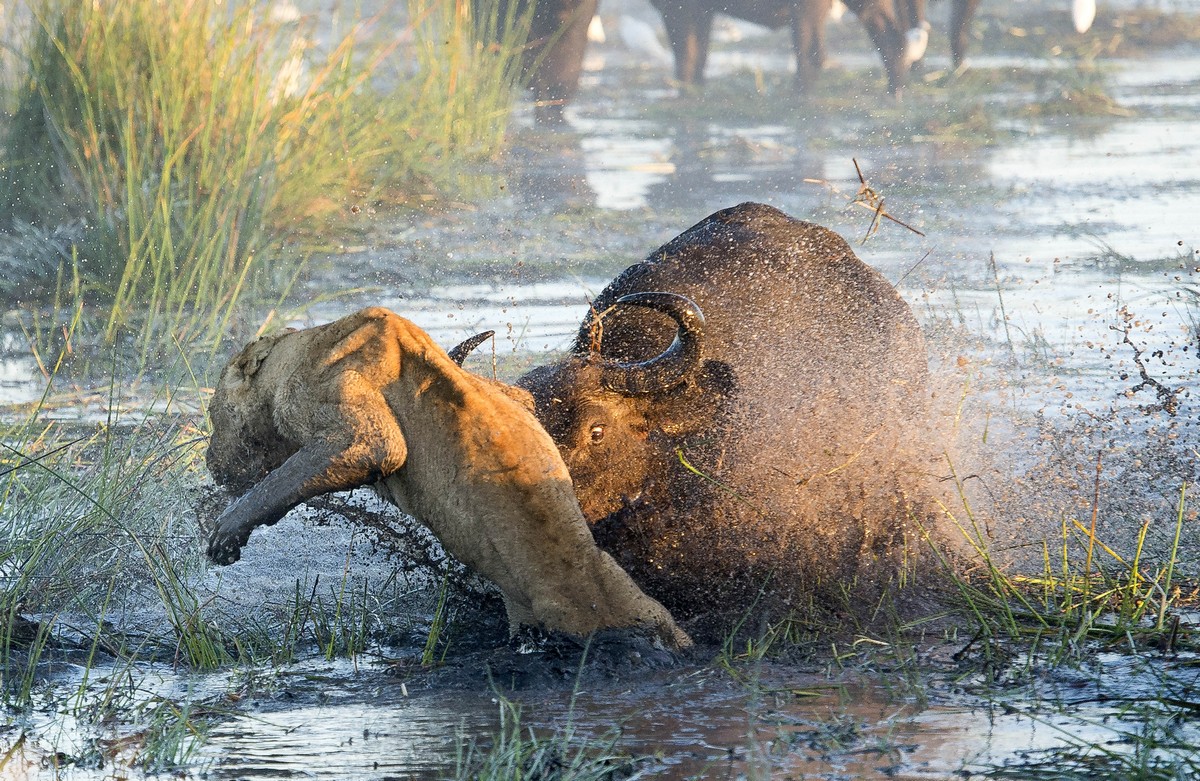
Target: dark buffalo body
689	28
776	442
558	37
554	56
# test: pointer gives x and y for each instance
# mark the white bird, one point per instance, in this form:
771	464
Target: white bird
1083	13
596	30
916	41
285	12
642	38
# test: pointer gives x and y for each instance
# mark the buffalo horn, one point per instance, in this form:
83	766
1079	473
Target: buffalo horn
465	347
665	371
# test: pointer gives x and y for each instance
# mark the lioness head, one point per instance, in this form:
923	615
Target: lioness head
246	443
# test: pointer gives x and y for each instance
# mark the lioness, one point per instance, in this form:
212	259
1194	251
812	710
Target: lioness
371	400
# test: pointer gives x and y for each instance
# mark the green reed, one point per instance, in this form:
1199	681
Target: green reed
76	515
469	59
1087	589
180	147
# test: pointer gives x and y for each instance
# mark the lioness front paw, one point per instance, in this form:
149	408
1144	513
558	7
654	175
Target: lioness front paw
223	548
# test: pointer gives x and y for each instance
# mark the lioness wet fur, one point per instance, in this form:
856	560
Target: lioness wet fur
371	400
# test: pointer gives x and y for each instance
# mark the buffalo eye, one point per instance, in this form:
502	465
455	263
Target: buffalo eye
597	433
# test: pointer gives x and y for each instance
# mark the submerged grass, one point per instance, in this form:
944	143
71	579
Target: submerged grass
846	104
1078	90
518	753
172	737
74	514
1087	591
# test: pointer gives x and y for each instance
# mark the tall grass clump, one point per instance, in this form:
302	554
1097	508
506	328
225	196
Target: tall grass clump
468	57
183	144
1087	589
89	526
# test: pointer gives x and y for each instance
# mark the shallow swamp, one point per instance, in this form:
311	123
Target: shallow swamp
1037	210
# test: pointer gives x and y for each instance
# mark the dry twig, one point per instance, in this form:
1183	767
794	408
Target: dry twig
868	198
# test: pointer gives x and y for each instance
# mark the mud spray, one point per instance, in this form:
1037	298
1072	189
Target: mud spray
1091	456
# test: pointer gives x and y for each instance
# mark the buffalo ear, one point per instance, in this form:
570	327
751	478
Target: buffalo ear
699	404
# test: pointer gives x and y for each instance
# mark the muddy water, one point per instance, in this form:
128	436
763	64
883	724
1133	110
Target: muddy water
1032	247
345	721
695	725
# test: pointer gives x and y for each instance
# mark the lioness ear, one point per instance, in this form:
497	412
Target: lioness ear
253	356
519	395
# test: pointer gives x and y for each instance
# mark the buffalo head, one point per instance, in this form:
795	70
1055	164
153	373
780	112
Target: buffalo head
613	418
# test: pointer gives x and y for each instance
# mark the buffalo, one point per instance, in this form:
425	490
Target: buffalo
898	28
558	39
689	28
744	415
553	57
370	400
